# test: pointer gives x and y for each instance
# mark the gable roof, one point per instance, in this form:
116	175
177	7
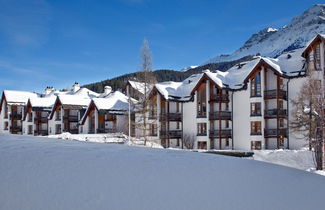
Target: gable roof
317	38
14	97
139	86
114	103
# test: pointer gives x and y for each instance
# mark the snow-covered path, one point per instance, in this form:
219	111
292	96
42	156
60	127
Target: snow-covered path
42	173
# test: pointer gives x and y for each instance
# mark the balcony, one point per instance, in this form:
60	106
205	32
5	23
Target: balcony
15	116
41	133
106	130
172	134
226	133
201	115
221	115
15	129
272	94
219	98
71	118
273	113
40	119
269	133
171	116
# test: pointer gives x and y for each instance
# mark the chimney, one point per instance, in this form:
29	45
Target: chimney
75	87
107	90
48	90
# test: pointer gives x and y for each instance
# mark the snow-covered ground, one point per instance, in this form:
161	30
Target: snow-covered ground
115	138
44	173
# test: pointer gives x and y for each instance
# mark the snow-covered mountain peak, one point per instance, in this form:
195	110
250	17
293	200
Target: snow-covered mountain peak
273	42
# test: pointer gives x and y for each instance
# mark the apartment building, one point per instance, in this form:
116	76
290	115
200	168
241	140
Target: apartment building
12	110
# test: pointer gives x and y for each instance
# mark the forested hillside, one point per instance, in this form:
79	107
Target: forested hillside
118	83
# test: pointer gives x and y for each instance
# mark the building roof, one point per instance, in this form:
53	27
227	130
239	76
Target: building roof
14	97
139	86
44	102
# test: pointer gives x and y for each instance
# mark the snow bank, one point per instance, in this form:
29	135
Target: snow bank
42	173
117	138
300	159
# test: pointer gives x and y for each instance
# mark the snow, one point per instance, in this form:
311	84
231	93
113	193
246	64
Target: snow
43	102
74	100
117	138
139	86
114	101
299	159
85	92
270	43
14	97
42	173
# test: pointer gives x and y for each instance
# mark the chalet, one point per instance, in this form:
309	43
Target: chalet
35	121
66	113
12	109
106	115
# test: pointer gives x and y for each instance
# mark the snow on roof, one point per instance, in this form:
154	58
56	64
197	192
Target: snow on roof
288	64
42	102
14	97
114	101
139	86
180	91
86	93
74	100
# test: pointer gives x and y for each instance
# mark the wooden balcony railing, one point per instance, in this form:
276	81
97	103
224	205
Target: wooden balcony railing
15	129
219	98
275	133
220	115
171	116
40	132
273	113
272	94
40	119
225	133
71	118
172	134
15	116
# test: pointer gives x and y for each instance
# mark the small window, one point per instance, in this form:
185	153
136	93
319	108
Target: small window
256	109
227	106
227	123
256	128
256	145
227	142
153	130
6	125
178	125
281	123
201	129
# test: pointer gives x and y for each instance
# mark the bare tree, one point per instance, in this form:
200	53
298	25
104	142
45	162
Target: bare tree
144	107
189	141
308	116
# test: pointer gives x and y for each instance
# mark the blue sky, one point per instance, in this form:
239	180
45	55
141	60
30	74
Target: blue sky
55	43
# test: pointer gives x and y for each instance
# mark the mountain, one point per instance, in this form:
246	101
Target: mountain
118	83
273	42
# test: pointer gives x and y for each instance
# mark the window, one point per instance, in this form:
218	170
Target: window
227	123
281	123
201	101
30	129
256	85
201	129
153	130
6	111
256	128
280	104
58	115
177	125
256	145
227	106
202	145
6	125
30	117
317	58
177	107
227	142
256	109
57	128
